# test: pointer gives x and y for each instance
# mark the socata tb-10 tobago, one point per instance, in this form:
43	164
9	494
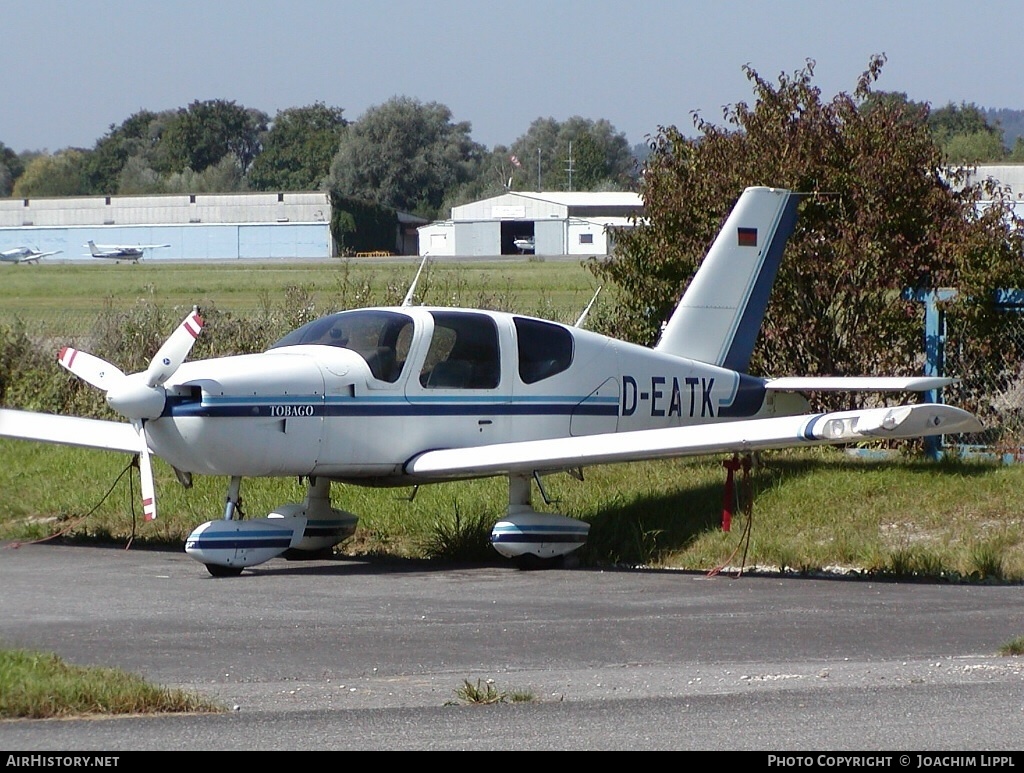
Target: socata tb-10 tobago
411	395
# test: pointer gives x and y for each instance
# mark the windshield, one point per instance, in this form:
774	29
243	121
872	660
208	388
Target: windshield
382	338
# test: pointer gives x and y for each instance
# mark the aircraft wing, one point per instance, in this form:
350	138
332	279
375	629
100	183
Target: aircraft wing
35	257
69	430
857	383
838	428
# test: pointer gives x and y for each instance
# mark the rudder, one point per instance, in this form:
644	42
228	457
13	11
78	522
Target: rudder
719	316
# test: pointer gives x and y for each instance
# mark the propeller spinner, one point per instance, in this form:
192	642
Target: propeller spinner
139	396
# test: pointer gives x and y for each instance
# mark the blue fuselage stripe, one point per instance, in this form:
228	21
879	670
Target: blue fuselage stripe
538	538
297	408
239	543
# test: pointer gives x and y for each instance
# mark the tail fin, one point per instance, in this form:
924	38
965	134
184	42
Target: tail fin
92	248
719	316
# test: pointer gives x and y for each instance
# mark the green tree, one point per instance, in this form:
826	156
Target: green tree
598	156
965	135
1017	154
491	178
882	214
298	149
222	177
138	178
11	168
974	148
204	133
406	155
135	137
61	174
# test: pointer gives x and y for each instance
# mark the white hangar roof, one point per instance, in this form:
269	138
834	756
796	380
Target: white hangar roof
300	207
542	205
1011	175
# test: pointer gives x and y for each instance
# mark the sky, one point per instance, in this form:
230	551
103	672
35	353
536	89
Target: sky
72	69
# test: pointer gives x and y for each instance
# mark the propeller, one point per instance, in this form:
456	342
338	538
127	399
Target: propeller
138	396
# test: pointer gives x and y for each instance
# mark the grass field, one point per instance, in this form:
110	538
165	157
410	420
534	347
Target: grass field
65	297
903	516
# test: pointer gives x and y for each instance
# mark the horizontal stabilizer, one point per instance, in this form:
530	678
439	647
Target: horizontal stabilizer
69	431
838	428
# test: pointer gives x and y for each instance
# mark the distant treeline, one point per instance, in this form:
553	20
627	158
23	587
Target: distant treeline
403	155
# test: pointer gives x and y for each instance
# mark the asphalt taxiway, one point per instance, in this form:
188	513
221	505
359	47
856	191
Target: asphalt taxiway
346	654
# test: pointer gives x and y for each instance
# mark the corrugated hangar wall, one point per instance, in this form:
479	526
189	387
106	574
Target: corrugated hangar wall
196	226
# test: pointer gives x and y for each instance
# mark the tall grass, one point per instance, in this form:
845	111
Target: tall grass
42	686
65	299
811	512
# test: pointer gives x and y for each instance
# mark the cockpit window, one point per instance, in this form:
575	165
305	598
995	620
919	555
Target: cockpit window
463	353
382	338
544	349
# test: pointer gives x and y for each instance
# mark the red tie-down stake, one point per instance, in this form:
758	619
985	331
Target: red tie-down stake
731	465
728	502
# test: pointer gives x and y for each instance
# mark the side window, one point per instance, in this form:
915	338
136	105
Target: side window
544	349
463	353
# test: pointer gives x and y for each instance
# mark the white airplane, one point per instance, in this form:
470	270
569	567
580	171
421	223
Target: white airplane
25	255
132	252
524	244
410	395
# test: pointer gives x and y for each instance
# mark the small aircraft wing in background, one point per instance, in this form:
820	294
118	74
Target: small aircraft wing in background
25	255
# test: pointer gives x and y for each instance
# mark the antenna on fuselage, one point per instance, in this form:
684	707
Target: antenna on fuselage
407	301
586	311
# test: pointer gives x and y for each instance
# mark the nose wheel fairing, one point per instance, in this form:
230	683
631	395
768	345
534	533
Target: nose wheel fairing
238	544
232	544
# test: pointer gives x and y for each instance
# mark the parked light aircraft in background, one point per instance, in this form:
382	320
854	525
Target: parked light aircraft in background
132	252
410	395
25	255
523	244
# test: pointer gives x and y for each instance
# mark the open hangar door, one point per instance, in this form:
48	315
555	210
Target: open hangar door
517	237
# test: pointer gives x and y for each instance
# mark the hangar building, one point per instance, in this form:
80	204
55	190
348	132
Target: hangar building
196	226
550	223
1009	175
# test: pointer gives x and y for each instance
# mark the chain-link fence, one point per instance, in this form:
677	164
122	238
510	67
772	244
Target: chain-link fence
990	380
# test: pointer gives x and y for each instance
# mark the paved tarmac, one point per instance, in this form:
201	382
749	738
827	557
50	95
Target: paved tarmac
364	655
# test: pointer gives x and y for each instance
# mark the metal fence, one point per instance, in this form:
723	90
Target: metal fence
990	381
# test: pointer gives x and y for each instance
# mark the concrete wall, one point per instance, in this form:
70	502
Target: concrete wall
188	242
199	226
174	209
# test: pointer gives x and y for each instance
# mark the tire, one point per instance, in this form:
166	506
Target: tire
223	571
